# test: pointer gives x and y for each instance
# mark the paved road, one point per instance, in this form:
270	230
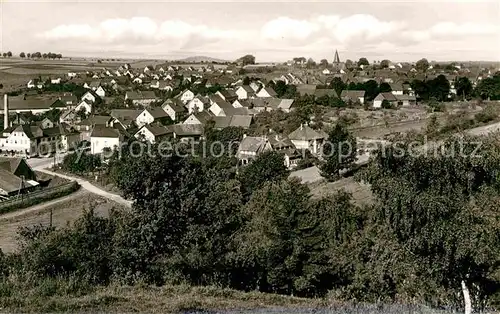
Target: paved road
39	164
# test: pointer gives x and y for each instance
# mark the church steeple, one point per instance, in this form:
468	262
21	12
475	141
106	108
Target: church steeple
336	59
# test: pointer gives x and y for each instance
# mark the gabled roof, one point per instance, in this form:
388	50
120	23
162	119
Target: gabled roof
306	89
174	104
248	89
157	130
254	144
187	129
278	141
386	96
157	112
306	133
140	95
10	164
103	131
352	94
325	92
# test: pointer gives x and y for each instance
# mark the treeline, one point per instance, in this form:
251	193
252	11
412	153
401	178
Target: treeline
39	55
431	232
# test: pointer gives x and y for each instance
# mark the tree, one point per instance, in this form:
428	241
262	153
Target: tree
267	167
464	87
384	87
443	224
385	63
310	63
349	63
246	59
338	85
363	61
45	56
432	126
422	65
4	55
28	55
22	55
339	152
489	88
9	54
439	88
387	105
246	80
324	63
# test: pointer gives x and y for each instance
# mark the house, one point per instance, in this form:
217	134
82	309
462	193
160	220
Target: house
353	96
306	89
286	105
150	115
198	103
90	96
406	100
144	98
85	106
321	92
255	86
220	107
124	117
186	96
46	123
137	80
239	121
153	133
11	185
32	140
69	99
245	92
186	132
198	118
175	110
397	88
326	71
307	138
71	75
86	126
103	137
18	167
387	96
35	83
166	86
252	146
266	92
55	80
34	104
100	92
228	95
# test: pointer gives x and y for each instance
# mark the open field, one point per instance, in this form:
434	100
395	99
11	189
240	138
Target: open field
52	297
64	211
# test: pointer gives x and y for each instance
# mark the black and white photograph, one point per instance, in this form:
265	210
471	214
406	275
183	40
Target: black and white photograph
283	157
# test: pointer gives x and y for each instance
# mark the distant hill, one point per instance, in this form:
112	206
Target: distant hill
199	59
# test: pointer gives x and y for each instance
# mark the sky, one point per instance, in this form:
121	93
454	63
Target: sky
271	31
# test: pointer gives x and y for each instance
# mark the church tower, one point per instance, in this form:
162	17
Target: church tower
337	65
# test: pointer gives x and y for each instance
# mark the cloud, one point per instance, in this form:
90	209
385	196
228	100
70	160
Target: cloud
143	30
315	36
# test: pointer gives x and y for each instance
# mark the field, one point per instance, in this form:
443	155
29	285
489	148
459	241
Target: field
64	211
53	297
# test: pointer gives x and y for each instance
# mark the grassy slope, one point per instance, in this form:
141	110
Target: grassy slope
55	296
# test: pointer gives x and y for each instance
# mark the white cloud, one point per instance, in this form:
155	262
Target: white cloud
287	28
454	29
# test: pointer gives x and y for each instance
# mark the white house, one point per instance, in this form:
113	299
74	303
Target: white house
84	105
306	138
137	80
100	92
245	92
187	96
173	109
55	80
197	104
266	92
150	115
326	71
71	74
90	96
152	133
251	147
103	137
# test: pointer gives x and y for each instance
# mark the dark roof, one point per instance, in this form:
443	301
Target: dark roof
248	89
278	141
9	182
386	96
10	164
158	130
306	89
141	95
157	112
352	94
325	92
125	114
187	129
175	105
252	144
102	131
305	132
30	103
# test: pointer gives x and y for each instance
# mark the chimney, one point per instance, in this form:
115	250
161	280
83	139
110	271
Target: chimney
5	111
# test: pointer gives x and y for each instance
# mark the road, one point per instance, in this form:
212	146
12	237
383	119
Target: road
39	164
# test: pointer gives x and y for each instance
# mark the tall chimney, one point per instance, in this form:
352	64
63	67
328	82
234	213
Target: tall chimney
5	111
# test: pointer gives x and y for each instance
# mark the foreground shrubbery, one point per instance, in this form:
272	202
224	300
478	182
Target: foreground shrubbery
434	225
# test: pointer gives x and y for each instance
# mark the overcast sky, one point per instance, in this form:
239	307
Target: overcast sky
277	31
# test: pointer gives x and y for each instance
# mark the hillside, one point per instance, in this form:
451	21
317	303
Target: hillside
200	59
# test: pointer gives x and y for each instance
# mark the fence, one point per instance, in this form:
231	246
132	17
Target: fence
30	199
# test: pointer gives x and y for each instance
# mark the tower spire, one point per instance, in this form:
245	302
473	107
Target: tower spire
336	59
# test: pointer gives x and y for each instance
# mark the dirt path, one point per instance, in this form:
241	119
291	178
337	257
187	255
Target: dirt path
90	187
